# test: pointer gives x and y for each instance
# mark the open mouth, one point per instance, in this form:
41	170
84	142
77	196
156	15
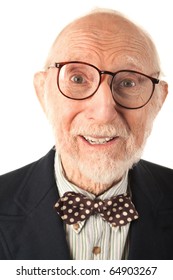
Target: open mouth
98	140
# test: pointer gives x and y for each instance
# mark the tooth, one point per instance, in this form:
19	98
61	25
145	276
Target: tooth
98	141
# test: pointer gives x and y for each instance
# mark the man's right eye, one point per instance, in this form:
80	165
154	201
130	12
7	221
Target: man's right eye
78	79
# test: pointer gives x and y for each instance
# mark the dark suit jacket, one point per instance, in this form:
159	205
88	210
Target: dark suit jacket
31	229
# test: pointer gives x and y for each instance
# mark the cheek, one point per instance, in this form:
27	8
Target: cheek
138	124
61	114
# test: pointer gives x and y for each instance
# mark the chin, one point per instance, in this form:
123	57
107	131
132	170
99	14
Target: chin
107	172
101	169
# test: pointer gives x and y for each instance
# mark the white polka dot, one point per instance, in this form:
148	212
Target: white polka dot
131	211
71	220
109	202
76	214
88	202
108	213
135	217
121	199
115	204
70	210
57	204
63	207
129	219
77	199
126	205
70	202
100	203
117	216
87	211
83	216
96	205
64	198
124	213
110	218
120	208
121	222
64	217
114	209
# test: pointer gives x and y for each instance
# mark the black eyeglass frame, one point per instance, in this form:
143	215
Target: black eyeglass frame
59	65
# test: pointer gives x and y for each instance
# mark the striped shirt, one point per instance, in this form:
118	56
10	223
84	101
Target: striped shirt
94	239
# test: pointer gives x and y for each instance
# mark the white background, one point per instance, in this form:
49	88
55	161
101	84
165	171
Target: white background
88	269
27	30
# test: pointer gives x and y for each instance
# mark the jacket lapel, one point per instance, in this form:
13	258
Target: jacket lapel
42	230
146	236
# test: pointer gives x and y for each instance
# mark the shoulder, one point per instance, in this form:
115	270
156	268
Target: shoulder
153	174
155	169
14	178
11	182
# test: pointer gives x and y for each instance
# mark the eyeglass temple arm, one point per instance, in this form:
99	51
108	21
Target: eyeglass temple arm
55	65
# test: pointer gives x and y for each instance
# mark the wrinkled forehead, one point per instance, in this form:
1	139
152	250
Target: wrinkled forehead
112	23
104	32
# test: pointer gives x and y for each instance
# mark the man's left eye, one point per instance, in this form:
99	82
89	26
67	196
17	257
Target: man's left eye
127	83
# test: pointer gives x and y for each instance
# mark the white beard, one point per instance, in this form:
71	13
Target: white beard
103	168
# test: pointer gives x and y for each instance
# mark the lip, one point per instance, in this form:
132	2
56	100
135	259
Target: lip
99	145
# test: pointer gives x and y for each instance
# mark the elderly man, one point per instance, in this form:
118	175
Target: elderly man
91	197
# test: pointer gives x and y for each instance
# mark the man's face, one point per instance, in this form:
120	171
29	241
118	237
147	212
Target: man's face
97	139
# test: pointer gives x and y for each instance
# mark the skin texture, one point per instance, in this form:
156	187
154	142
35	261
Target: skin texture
112	43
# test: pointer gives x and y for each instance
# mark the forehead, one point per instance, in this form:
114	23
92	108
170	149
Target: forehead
104	38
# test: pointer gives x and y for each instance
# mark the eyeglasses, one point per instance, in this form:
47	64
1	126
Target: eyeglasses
80	80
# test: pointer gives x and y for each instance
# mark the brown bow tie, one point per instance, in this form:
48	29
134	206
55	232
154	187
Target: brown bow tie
74	207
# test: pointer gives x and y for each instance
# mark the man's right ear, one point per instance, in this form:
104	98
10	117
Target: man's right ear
39	85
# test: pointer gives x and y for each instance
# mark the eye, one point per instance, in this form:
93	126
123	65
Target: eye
127	83
78	79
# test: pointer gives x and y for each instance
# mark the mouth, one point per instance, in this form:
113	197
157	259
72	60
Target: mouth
98	140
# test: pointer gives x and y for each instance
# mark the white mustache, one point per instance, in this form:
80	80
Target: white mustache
99	130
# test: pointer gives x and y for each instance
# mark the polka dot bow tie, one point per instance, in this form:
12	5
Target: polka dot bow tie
75	207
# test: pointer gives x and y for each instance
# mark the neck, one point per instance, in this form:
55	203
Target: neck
75	177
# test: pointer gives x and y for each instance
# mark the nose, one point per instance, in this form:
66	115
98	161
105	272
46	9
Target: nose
101	106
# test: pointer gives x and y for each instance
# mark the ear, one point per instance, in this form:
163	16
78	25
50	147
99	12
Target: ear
39	85
163	91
